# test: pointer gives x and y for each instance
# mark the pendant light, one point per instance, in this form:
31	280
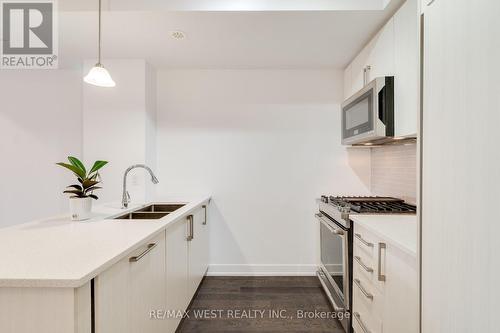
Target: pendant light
98	75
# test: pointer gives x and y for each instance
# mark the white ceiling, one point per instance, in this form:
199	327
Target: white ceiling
226	5
222	39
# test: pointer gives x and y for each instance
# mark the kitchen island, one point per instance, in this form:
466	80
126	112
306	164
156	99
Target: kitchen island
102	274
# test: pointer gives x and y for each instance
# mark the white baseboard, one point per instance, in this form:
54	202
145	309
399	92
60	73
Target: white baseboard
262	270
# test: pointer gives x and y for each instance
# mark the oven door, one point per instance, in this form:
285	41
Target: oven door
335	266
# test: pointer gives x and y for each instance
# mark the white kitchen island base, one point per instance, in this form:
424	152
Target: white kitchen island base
147	271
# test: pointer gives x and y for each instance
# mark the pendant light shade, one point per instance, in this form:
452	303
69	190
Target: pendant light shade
98	75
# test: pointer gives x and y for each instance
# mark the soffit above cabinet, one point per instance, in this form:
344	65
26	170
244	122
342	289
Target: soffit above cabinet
221	39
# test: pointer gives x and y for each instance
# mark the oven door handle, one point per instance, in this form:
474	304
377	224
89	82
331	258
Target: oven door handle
322	278
333	230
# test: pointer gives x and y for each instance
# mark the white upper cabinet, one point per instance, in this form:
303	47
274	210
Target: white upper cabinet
358	66
381	58
394	51
378	55
406	82
347	81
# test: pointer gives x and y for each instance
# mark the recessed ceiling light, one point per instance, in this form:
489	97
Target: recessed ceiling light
177	34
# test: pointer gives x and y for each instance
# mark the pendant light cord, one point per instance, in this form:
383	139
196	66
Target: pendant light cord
99	57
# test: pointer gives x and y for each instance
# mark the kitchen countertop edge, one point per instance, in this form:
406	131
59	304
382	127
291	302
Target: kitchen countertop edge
80	281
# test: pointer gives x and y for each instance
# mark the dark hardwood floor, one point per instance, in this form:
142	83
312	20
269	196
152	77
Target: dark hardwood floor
243	304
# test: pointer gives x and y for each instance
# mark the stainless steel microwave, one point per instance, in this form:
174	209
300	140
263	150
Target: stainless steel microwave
368	116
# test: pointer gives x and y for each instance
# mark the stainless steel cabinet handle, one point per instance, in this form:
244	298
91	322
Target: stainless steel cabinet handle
190	234
381	277
140	256
360	238
360	322
366	71
366	268
430	2
363	290
322	277
205	208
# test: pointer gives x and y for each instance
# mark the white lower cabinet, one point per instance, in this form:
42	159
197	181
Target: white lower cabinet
126	293
187	262
198	250
385	286
148	291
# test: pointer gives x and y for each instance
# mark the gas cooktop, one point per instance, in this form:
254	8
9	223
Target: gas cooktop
370	205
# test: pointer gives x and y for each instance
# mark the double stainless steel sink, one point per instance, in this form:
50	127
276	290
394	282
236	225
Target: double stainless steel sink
150	212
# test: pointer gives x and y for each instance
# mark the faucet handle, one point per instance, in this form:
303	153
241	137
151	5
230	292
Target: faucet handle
128	196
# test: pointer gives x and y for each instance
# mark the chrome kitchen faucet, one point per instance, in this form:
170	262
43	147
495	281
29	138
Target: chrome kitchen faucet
126	196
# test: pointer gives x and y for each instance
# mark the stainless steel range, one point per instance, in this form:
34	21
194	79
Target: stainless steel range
335	270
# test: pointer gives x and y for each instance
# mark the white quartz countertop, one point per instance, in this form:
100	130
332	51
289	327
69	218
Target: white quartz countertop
399	230
58	252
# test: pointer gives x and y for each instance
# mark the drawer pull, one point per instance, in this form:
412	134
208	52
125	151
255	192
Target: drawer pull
140	256
366	268
363	290
358	236
360	322
190	225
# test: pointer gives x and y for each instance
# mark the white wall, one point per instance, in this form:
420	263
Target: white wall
40	124
119	126
265	144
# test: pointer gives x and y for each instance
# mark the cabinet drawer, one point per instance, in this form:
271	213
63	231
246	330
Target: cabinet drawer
365	245
363	320
372	301
361	273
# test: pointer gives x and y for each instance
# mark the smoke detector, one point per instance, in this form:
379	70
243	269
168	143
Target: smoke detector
177	34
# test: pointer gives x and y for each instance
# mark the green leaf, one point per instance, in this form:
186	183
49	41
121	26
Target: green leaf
97	165
93	196
89	183
77	163
79	193
77	171
76	187
93	188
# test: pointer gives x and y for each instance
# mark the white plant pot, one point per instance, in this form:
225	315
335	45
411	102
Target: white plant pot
80	208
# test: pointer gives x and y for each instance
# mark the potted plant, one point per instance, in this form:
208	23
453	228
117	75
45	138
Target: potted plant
82	194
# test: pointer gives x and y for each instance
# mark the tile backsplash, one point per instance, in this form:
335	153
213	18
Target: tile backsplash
394	171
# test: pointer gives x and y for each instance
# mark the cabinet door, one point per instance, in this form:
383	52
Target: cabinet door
348	82
381	58
407	71
358	65
378	54
147	286
460	159
111	299
198	250
400	292
177	271
127	292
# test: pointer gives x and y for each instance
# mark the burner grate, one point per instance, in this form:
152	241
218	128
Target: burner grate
383	205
